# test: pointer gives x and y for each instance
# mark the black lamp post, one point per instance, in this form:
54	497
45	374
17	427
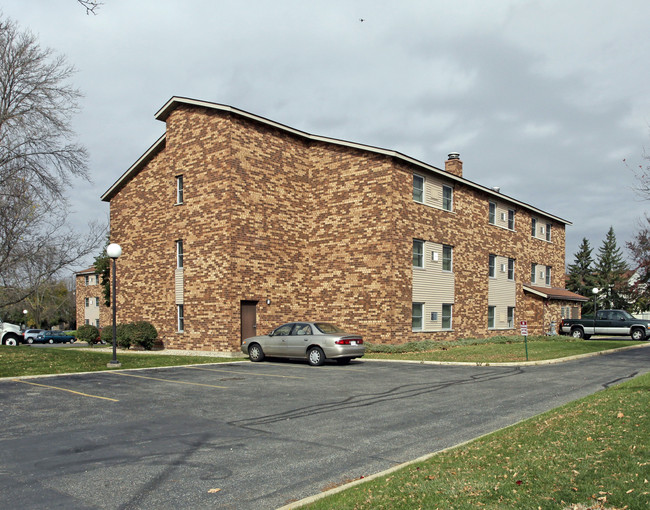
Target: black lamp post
114	251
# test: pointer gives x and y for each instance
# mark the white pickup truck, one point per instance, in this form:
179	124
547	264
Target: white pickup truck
10	334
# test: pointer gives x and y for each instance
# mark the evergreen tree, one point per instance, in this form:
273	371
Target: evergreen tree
611	268
580	275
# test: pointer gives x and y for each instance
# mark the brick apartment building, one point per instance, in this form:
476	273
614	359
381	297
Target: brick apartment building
232	224
90	300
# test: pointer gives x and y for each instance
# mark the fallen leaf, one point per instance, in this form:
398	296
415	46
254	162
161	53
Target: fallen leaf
212	491
620	415
589	438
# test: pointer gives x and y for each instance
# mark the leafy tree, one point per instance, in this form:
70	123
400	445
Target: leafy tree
639	248
37	162
581	278
611	270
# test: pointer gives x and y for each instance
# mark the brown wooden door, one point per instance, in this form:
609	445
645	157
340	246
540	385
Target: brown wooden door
248	319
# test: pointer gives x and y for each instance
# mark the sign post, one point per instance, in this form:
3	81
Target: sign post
524	331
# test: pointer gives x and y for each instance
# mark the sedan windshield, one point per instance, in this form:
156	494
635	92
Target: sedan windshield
326	328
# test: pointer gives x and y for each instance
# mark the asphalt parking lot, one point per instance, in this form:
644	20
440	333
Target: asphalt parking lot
244	435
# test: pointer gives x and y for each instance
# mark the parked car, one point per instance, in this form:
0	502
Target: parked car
607	322
54	337
30	334
314	341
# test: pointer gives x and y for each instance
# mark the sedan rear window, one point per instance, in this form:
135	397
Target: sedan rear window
327	328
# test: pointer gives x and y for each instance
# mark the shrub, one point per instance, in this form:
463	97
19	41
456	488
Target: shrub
143	334
107	335
87	333
124	335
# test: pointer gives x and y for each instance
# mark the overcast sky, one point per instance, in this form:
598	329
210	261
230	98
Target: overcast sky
545	98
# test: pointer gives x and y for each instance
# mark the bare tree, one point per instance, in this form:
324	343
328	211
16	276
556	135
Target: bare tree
38	160
90	6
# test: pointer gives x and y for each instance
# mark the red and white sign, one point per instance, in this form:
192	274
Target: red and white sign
524	327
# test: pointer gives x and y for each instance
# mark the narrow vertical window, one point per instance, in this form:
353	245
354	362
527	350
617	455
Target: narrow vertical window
548	232
179	189
447	198
179	253
511	269
416	317
490	317
532	273
181	318
97	301
533	228
511	219
446	316
447	261
492	265
548	275
418	253
418	188
87	302
493	213
511	316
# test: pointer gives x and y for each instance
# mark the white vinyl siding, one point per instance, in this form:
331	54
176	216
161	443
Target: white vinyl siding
502	292
541	230
433	286
179	283
433	192
504	216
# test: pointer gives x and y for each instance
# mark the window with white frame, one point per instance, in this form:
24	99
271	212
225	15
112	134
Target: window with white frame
548	232
493	213
180	316
447	258
511	219
548	275
97	302
447	198
418	253
491	317
416	317
179	253
533	276
511	269
446	316
87	302
96	323
533	227
511	316
179	189
418	188
492	265
87	278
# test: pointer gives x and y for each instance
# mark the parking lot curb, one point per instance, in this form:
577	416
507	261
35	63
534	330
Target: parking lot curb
513	363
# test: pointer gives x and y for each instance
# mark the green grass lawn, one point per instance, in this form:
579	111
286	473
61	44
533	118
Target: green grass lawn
27	360
590	454
494	350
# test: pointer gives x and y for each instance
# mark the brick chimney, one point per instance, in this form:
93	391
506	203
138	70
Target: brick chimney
454	165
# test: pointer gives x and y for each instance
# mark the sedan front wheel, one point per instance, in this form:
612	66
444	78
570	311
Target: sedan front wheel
255	352
316	356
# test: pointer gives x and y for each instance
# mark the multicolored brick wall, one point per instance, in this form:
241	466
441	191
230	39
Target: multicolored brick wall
322	230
